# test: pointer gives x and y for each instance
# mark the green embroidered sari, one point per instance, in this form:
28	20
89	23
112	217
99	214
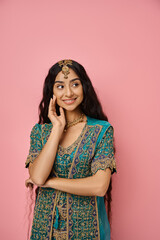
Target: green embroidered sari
61	215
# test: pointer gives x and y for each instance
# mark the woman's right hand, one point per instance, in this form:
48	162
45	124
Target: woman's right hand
58	121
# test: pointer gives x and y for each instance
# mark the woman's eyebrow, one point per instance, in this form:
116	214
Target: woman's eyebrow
70	80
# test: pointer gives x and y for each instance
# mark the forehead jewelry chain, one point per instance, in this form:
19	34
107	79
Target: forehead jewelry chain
65	68
69	124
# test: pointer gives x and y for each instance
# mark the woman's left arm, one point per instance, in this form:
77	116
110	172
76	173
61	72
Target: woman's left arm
95	185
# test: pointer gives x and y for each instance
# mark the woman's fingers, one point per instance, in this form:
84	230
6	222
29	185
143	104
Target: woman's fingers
61	111
53	103
52	114
51	106
52	109
28	184
62	116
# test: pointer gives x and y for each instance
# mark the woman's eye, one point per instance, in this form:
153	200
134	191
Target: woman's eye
76	84
59	86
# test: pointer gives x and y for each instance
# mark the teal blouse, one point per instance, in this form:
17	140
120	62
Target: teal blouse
61	215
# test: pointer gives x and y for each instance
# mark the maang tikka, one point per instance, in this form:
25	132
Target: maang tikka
65	68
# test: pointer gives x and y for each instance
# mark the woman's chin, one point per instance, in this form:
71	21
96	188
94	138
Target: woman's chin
70	108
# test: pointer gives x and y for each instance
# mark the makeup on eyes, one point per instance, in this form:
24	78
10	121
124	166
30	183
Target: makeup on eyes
58	85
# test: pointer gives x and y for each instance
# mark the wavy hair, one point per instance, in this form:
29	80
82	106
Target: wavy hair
90	106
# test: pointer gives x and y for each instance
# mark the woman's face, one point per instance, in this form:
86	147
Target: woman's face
68	91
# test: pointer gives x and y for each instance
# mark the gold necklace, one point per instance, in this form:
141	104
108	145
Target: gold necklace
69	124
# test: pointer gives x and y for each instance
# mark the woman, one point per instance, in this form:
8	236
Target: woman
71	158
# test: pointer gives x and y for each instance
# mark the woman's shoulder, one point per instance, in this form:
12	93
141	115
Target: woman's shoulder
90	121
36	127
46	127
94	121
41	126
102	127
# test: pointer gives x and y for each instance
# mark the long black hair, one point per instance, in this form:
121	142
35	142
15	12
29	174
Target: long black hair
90	106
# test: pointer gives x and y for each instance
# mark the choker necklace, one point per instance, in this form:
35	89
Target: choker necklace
69	124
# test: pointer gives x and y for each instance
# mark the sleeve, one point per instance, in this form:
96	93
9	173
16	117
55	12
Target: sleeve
104	154
35	144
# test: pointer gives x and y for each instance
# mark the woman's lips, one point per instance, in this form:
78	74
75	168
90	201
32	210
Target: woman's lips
69	101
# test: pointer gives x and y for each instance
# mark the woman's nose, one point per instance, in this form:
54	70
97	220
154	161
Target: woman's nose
68	92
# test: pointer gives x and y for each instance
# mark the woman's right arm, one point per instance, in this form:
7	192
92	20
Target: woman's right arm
40	169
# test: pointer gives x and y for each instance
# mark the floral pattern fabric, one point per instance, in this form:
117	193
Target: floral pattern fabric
61	215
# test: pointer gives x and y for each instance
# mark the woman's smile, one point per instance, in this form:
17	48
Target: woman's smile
69	101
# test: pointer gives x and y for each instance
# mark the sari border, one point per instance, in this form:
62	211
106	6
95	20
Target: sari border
49	237
95	136
97	216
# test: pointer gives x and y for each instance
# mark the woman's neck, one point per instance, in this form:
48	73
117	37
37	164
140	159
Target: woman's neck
72	115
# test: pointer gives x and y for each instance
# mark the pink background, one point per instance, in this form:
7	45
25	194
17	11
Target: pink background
118	42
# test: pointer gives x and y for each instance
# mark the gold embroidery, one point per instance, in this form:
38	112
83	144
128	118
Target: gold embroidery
42	134
104	155
83	133
81	212
68	150
53	215
97	218
35	144
31	158
76	203
107	162
59	235
67	215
